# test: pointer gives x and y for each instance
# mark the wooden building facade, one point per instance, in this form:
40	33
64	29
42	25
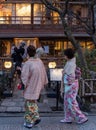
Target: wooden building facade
32	22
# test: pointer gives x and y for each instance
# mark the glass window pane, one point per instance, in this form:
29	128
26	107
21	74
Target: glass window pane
56	18
39	11
5	13
90	45
23	13
5	47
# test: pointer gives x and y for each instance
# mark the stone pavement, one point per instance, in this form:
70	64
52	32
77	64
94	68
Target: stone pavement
16	103
47	123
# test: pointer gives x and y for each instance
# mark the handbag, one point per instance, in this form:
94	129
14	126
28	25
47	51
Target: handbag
20	86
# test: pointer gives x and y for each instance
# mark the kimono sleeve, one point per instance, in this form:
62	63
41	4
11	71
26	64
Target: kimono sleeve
44	75
25	74
70	69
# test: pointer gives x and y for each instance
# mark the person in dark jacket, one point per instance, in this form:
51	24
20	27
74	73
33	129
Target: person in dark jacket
19	52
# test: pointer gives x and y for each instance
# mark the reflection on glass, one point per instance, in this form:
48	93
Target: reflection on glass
83	44
56	19
58	46
24	11
5	13
65	45
5	47
69	44
39	10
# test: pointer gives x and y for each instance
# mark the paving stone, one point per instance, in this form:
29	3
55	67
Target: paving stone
93	106
13	109
22	109
17	99
19	104
44	107
7	99
2	109
6	103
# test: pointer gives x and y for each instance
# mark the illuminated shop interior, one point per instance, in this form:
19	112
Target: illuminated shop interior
34	13
54	47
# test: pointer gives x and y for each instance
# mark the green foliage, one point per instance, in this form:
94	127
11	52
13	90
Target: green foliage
90	56
91	59
93	54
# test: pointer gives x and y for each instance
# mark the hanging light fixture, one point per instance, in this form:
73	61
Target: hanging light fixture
8	64
52	65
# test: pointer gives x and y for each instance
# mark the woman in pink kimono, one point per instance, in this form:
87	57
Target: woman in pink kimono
71	109
34	78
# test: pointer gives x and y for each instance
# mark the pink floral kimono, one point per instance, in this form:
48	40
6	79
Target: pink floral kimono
71	108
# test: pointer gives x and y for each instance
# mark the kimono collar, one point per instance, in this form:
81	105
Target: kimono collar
33	58
73	60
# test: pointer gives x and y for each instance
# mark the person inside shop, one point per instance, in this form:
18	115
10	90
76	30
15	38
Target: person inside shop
40	51
13	53
17	55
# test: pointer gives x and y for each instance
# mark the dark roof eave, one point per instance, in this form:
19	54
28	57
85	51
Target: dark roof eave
40	35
